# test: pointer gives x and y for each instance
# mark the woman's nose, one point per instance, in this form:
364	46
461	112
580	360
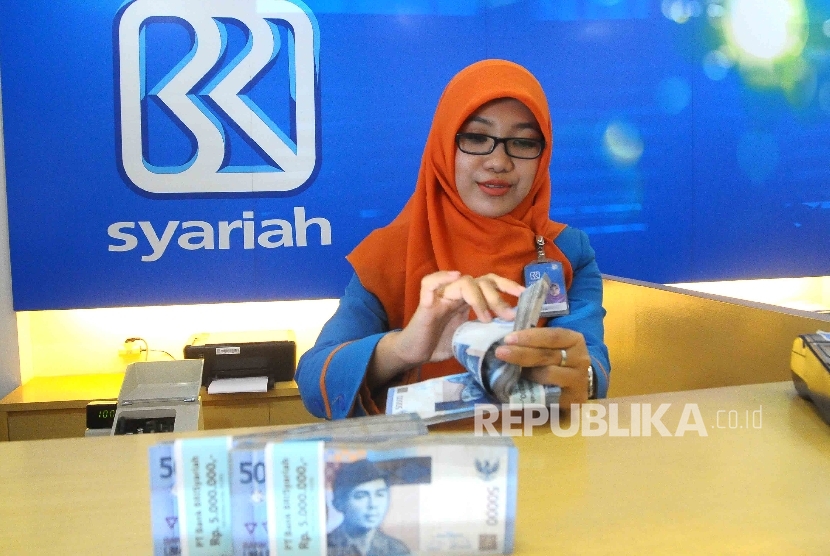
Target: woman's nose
499	160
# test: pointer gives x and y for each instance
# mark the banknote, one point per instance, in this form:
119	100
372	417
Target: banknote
437	494
179	468
438	399
488	379
203	495
249	519
163	503
501	377
474	343
529	394
454	397
530	304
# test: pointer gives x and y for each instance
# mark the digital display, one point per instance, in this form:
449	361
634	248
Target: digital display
100	414
106	413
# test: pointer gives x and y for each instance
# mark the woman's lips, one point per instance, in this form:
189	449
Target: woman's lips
494	188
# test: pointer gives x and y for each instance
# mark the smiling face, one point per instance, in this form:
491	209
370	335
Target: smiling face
494	184
366	505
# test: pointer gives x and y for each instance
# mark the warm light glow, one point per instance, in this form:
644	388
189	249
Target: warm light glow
806	294
86	341
764	31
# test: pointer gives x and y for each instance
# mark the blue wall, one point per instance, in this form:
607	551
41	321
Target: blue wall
681	156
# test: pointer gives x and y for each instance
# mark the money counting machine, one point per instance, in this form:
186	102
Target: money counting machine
241	355
159	396
810	364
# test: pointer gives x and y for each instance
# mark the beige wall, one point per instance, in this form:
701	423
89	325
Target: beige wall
660	338
665	339
86	341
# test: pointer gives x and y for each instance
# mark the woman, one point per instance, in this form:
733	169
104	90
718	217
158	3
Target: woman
459	246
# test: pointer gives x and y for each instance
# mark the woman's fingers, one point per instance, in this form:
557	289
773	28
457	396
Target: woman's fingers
483	294
432	285
537	347
572	381
492	286
467	290
551	356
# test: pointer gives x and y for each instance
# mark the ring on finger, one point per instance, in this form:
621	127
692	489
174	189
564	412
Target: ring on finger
564	361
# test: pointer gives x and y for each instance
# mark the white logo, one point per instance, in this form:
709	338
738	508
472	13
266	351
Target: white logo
535	275
203	173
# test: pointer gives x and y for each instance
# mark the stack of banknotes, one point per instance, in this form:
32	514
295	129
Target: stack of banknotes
374	485
488	380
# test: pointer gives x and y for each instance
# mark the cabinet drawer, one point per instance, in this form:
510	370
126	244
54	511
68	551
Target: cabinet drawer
290	412
47	423
220	416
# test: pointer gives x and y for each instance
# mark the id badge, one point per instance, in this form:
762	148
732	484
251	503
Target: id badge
556	302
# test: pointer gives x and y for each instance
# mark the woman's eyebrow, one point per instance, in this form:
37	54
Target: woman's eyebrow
481	120
518	126
527	125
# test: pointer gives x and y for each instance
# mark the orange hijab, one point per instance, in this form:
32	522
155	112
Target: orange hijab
436	231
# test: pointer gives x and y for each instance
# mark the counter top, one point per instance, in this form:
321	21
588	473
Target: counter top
757	482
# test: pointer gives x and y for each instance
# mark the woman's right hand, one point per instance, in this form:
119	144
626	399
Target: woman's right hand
445	303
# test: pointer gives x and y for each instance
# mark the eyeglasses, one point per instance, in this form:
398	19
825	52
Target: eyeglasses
516	147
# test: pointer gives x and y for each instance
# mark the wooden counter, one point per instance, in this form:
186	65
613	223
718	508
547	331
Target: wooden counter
757	483
55	407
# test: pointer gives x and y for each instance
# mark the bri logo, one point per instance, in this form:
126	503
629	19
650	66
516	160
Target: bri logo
217	100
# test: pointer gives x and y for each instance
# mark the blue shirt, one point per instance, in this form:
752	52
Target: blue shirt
331	373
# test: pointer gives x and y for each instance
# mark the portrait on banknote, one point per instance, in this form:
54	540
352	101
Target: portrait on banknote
370	505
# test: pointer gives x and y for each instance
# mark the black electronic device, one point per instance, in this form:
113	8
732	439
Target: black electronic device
144	425
233	355
810	365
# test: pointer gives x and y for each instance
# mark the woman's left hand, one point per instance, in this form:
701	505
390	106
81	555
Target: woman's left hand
540	351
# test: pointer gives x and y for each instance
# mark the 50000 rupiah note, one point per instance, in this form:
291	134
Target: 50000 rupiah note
438	494
192	480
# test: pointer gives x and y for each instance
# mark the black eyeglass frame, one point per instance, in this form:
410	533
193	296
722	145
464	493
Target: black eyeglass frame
496	141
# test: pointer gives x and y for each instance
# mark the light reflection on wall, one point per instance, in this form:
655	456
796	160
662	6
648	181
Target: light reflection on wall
805	294
680	11
716	65
623	143
763	31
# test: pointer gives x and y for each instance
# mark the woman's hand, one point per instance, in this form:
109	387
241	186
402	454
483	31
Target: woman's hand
540	351
445	303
